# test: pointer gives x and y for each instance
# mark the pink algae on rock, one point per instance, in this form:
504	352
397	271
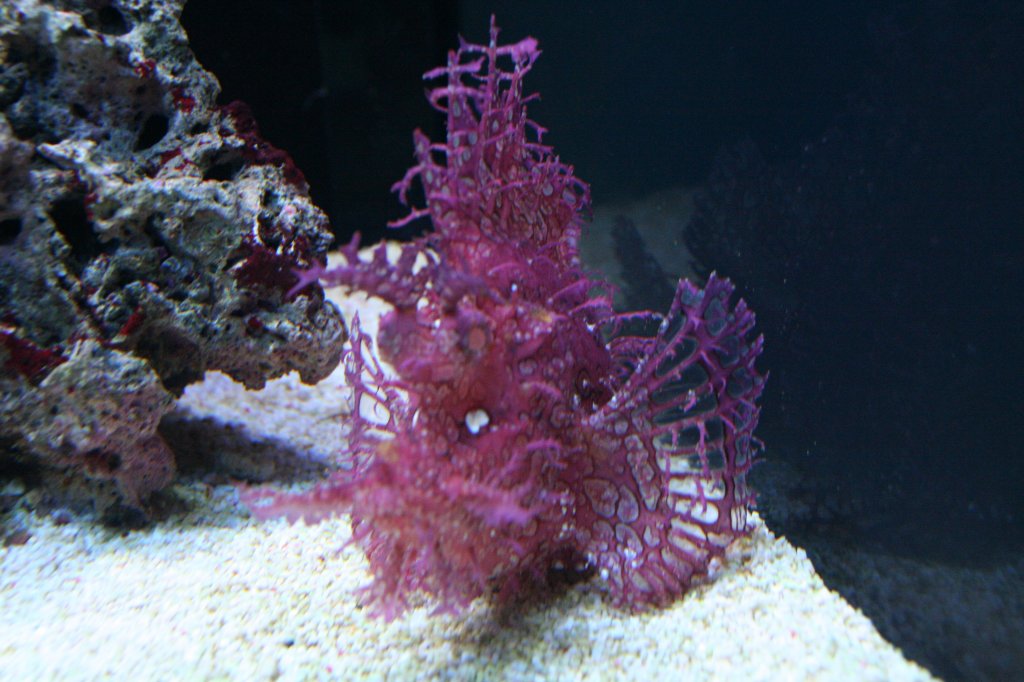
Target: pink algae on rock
525	431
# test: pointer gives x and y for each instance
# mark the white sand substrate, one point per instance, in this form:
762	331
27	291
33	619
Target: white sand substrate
211	594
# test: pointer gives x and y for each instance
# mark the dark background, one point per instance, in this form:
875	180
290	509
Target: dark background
860	175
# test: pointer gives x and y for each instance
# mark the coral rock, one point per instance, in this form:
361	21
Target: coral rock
147	235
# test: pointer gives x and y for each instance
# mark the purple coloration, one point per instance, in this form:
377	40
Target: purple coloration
28	359
523	424
257	150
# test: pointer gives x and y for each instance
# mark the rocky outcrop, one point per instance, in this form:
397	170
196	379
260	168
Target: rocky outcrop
147	235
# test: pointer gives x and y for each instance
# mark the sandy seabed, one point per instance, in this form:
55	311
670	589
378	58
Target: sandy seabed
211	594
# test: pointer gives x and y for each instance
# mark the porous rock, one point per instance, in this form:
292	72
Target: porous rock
147	235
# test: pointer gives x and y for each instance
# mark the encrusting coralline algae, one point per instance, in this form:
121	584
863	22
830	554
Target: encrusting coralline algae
510	429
